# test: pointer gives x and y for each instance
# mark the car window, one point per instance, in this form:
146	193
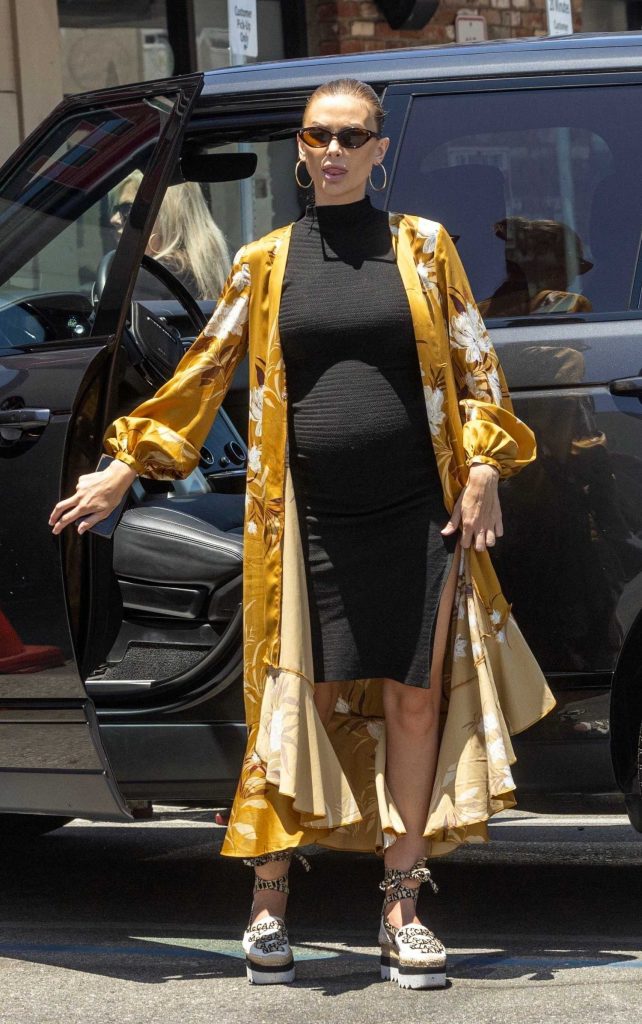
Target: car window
62	210
539	189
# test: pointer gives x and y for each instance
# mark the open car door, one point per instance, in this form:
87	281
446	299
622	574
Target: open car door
56	357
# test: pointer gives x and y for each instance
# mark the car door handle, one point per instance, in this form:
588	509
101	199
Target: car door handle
16	422
626	386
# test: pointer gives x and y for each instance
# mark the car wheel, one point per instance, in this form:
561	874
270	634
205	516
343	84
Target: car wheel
634	800
18	827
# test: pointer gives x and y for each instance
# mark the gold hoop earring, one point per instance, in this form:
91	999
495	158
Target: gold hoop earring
296	175
385	179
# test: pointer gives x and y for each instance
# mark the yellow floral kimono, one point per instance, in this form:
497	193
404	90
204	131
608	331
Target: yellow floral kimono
300	783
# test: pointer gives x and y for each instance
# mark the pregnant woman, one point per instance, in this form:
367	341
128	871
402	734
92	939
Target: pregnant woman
383	671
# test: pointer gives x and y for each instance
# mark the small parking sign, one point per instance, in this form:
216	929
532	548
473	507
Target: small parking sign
559	14
241	16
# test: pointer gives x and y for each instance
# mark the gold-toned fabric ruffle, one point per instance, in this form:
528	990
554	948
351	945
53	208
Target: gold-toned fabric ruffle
303	783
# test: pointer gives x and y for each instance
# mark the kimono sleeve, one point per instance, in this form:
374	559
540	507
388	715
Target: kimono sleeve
162	437
492	434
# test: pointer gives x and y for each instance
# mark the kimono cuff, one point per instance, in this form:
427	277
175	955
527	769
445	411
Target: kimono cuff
153	449
483	460
493	435
129	460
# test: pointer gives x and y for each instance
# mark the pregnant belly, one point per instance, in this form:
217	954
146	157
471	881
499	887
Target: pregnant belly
360	439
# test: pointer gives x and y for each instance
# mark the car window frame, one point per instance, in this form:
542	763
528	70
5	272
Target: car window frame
397	93
183	92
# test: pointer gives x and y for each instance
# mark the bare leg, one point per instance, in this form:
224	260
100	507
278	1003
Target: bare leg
269	901
412	723
325	698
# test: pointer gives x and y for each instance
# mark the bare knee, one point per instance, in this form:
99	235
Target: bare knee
410	709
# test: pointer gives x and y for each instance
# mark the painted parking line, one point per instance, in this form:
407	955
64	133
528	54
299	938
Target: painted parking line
481	964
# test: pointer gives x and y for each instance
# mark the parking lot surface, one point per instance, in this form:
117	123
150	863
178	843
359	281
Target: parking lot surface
133	923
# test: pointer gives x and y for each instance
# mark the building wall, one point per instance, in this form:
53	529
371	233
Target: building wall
30	73
349	26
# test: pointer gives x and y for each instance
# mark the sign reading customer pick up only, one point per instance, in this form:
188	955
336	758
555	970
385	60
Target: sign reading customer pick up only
241	19
559	14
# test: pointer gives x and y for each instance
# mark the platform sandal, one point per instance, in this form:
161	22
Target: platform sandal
268	957
411	955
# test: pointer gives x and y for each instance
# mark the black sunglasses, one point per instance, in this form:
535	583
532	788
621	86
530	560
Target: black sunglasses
349	138
123	209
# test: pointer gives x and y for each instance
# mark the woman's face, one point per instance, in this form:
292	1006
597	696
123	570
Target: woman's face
339	174
123	205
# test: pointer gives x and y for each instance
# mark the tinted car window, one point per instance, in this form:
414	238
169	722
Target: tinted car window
59	217
540	189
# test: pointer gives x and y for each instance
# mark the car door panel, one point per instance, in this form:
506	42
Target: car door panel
52	589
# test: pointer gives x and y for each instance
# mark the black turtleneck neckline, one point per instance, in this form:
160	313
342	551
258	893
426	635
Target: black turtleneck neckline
353	231
334	216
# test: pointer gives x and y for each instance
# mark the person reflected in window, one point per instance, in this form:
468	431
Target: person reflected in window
186	239
543	259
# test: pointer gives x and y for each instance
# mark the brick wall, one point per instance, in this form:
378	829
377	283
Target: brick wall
349	26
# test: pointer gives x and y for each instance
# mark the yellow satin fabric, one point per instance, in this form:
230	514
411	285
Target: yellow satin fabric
299	784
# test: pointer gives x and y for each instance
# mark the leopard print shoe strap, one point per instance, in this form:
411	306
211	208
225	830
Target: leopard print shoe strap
266	858
394	878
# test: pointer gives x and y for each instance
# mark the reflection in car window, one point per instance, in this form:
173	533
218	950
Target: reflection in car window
538	188
55	219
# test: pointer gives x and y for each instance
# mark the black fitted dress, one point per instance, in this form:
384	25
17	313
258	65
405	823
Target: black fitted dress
368	494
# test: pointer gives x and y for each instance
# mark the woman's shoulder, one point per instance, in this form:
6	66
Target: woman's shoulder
421	227
267	243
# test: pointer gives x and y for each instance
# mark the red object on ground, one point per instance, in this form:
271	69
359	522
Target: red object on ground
222	817
18	657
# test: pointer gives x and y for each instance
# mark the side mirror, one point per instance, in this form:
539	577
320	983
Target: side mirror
196	165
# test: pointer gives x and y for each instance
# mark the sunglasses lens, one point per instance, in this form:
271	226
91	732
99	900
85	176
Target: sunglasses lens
316	137
353	138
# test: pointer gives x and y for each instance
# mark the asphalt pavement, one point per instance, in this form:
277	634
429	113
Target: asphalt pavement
112	924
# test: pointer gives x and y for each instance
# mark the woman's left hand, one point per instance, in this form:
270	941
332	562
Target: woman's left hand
477	509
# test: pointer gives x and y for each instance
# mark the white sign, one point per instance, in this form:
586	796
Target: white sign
470	28
241	20
559	15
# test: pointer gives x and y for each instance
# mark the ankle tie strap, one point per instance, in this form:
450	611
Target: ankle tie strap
394	878
279	884
266	858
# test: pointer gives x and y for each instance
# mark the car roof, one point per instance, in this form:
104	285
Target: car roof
580	53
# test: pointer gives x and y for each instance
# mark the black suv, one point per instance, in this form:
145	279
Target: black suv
120	663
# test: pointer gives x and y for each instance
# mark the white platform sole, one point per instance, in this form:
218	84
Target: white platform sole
269	975
412	977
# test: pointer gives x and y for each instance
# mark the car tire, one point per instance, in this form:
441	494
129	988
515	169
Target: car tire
634	800
16	828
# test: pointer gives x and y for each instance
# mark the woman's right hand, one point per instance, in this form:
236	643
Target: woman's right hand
96	495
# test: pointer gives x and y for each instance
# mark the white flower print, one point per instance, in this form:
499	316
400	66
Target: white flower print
500	636
256	408
496	617
495	387
490	722
254	459
252	528
276	729
429	230
376	729
342	707
468	331
434	407
241	278
461	645
427	275
228	318
496	749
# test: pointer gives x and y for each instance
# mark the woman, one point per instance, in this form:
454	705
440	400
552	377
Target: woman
185	239
356	585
